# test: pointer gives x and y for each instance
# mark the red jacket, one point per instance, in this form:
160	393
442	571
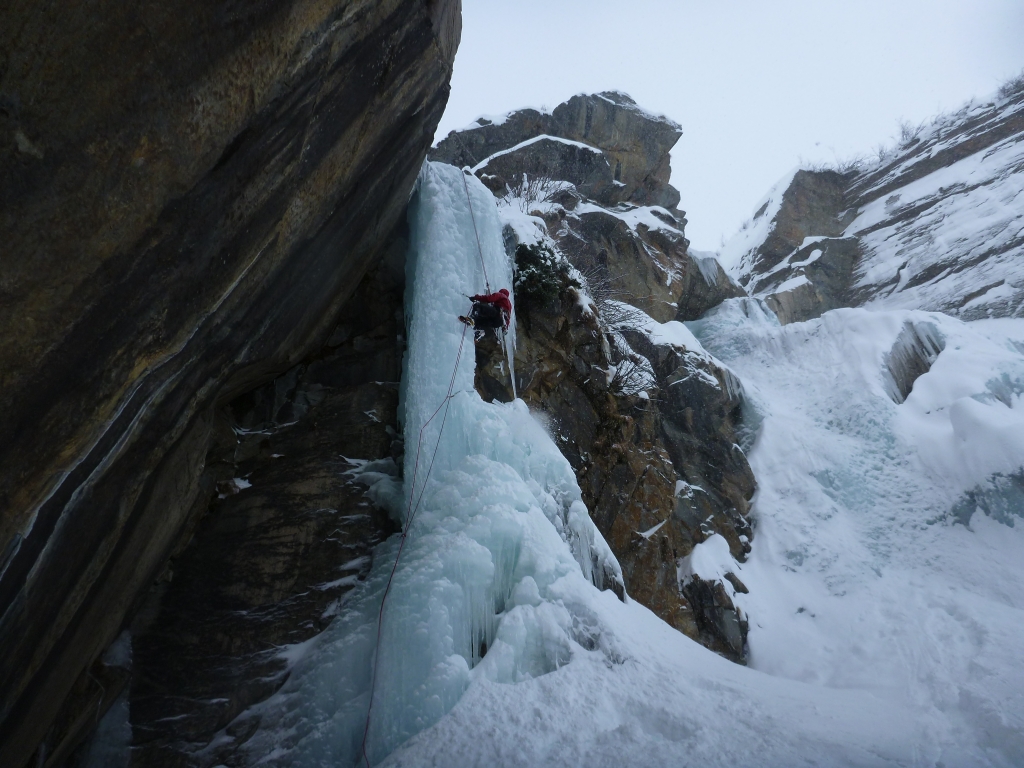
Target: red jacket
500	299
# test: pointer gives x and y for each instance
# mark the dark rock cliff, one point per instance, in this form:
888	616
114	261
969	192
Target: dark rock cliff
287	533
933	223
189	195
649	426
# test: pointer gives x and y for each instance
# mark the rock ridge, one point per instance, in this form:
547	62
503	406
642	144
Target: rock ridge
933	224
635	145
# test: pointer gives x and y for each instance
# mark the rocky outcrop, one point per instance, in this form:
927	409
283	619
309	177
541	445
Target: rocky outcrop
649	426
658	466
933	224
805	262
189	195
632	164
810	206
597	172
638	255
915	349
720	626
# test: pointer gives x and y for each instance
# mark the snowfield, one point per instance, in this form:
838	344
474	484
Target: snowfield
648	696
886	606
873	567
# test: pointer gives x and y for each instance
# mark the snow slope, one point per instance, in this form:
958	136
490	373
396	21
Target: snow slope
885	631
863	574
645	695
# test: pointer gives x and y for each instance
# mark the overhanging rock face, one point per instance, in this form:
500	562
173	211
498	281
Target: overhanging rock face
189	193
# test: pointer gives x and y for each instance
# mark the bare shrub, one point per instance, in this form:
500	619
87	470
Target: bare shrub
849	165
630	377
530	190
842	166
1012	87
909	133
603	288
617	312
814	167
883	153
598	284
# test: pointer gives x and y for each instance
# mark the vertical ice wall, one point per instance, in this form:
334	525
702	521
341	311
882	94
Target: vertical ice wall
452	248
500	522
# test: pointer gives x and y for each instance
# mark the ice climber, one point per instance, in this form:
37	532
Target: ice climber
490	310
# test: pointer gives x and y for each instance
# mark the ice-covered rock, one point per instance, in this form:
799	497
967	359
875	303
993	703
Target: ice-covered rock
494	529
603	278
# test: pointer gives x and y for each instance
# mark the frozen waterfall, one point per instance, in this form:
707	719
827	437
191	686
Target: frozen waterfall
499	527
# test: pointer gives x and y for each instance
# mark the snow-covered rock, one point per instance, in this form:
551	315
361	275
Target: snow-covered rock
633	145
594	172
936	224
647	419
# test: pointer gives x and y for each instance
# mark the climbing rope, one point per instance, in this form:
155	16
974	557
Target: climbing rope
480	251
413	507
479	248
410	514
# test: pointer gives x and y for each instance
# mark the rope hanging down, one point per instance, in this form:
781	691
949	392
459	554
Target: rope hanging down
479	248
411	511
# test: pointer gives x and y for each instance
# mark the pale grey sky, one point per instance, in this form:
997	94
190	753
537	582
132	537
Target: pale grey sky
756	85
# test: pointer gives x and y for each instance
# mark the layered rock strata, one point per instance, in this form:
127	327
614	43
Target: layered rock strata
189	195
932	224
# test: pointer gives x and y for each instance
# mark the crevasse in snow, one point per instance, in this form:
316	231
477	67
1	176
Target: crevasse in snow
498	522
